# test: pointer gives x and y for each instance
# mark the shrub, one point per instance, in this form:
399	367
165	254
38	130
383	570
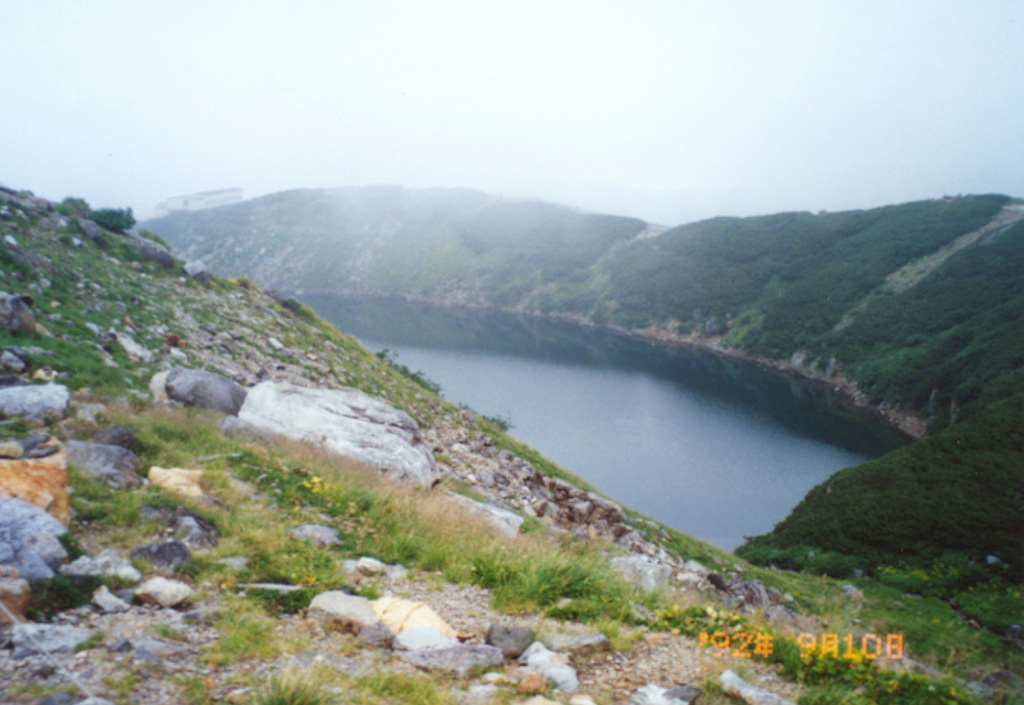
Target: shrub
114	219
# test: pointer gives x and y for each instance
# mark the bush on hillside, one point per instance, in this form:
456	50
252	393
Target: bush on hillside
114	219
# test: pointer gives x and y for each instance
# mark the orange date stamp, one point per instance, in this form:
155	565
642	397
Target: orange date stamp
745	645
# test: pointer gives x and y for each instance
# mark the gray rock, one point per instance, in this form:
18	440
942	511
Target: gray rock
347	422
48	548
153	252
20	520
11	361
163	592
852	591
555	667
275	343
734	685
114	465
106	563
156	646
90	229
342	612
197	271
205	390
34	400
458	660
16	313
992	560
116	436
647	574
30	639
652	694
423	637
579	644
134	350
166	554
323	535
512	641
108	602
379	635
370	566
190	528
505	521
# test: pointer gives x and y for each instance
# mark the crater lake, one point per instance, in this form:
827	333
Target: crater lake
715	447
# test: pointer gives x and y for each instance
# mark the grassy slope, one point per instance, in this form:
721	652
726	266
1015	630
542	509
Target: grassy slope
405	526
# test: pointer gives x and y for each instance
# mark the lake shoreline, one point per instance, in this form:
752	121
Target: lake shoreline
888	414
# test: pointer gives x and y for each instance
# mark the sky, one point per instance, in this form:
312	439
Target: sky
667	110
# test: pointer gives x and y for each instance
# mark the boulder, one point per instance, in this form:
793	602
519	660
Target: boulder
646	574
42	482
401	615
165	554
180	481
205	390
15	595
34	400
347	422
323	535
16	313
458	660
512	641
198	271
153	252
423	637
90	229
163	592
30	639
114	465
19	521
341	612
115	436
505	521
732	684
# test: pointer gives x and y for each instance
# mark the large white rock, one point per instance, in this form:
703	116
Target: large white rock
34	399
555	667
347	422
423	637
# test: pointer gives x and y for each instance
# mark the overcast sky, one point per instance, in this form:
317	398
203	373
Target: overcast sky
669	110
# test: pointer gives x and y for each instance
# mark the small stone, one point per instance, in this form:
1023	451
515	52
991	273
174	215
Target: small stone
322	535
166	554
341	612
579	644
109	602
370	566
116	436
178	480
11	450
511	640
852	591
163	592
237	696
531	684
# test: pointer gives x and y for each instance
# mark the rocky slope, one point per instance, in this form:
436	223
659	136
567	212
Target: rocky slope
172	537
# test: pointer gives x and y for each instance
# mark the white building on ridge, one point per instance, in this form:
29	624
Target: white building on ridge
199	201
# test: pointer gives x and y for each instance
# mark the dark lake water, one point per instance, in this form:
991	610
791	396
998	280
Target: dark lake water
716	448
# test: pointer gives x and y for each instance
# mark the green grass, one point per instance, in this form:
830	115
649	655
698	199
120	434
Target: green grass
380	688
293	691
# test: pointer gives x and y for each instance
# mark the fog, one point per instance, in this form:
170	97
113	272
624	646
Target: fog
669	111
